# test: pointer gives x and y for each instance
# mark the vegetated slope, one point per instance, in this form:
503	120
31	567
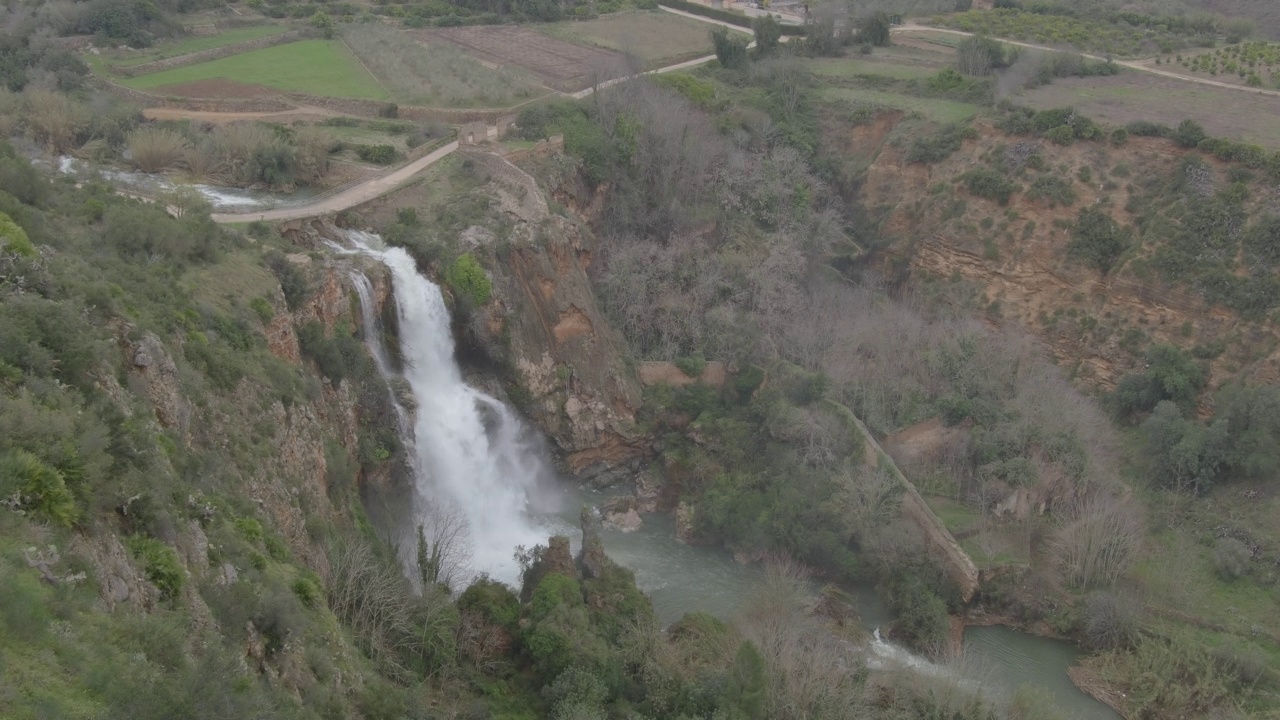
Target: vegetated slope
1101	249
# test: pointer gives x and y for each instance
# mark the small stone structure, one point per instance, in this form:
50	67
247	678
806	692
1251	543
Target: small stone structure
473	133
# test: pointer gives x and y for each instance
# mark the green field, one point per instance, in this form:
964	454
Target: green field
317	67
944	111
195	44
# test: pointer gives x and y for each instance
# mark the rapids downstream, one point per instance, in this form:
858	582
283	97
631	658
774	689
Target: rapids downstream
475	460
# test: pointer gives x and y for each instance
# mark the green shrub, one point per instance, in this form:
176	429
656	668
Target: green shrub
40	490
920	615
991	184
1097	239
160	564
377	154
1053	189
1119	137
14	239
730	47
262	308
553	590
307	588
692	365
1061	135
493	601
936	147
322	350
1189	134
468	280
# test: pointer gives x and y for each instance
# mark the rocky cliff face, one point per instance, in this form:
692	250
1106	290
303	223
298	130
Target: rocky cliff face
1015	255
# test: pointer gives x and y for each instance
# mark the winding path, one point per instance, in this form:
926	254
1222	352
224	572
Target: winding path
362	193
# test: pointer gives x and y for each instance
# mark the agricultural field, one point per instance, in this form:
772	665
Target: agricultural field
874	68
1132	96
657	38
1093	36
938	110
316	67
1250	64
129	57
436	73
556	63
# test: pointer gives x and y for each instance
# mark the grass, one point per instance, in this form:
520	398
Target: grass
317	67
956	516
847	67
196	44
1129	96
230	283
656	37
438	74
944	111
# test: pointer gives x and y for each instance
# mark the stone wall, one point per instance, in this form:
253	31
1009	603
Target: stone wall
939	541
212	53
473	133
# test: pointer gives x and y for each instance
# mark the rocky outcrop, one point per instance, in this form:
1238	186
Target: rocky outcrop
592	559
621	513
158	378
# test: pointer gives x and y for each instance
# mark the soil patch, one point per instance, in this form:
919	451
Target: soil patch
559	64
1129	96
216	88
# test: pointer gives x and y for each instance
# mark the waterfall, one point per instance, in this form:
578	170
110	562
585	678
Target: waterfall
377	349
475	464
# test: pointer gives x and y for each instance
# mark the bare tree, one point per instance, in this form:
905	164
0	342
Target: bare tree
443	554
1098	540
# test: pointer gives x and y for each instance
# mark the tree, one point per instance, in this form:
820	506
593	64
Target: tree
768	34
322	22
979	55
873	29
1098	540
731	50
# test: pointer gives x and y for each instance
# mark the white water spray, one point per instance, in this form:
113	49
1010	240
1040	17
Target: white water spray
469	451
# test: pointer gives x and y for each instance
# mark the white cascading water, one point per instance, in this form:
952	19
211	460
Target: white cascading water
469	452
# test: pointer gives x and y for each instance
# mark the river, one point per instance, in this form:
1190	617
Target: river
474	457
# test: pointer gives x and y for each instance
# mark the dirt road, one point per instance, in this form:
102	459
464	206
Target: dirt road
348	198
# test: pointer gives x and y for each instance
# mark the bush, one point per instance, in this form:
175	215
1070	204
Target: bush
1231	559
493	601
1097	239
980	55
1055	190
1061	135
323	350
13	238
990	184
1143	128
692	365
377	154
1189	134
160	564
468	280
1111	620
936	147
39	489
155	149
921	616
1119	137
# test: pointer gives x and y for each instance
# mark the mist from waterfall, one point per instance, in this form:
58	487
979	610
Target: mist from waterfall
476	466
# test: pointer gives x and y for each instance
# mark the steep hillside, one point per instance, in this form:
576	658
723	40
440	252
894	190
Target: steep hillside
1188	241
